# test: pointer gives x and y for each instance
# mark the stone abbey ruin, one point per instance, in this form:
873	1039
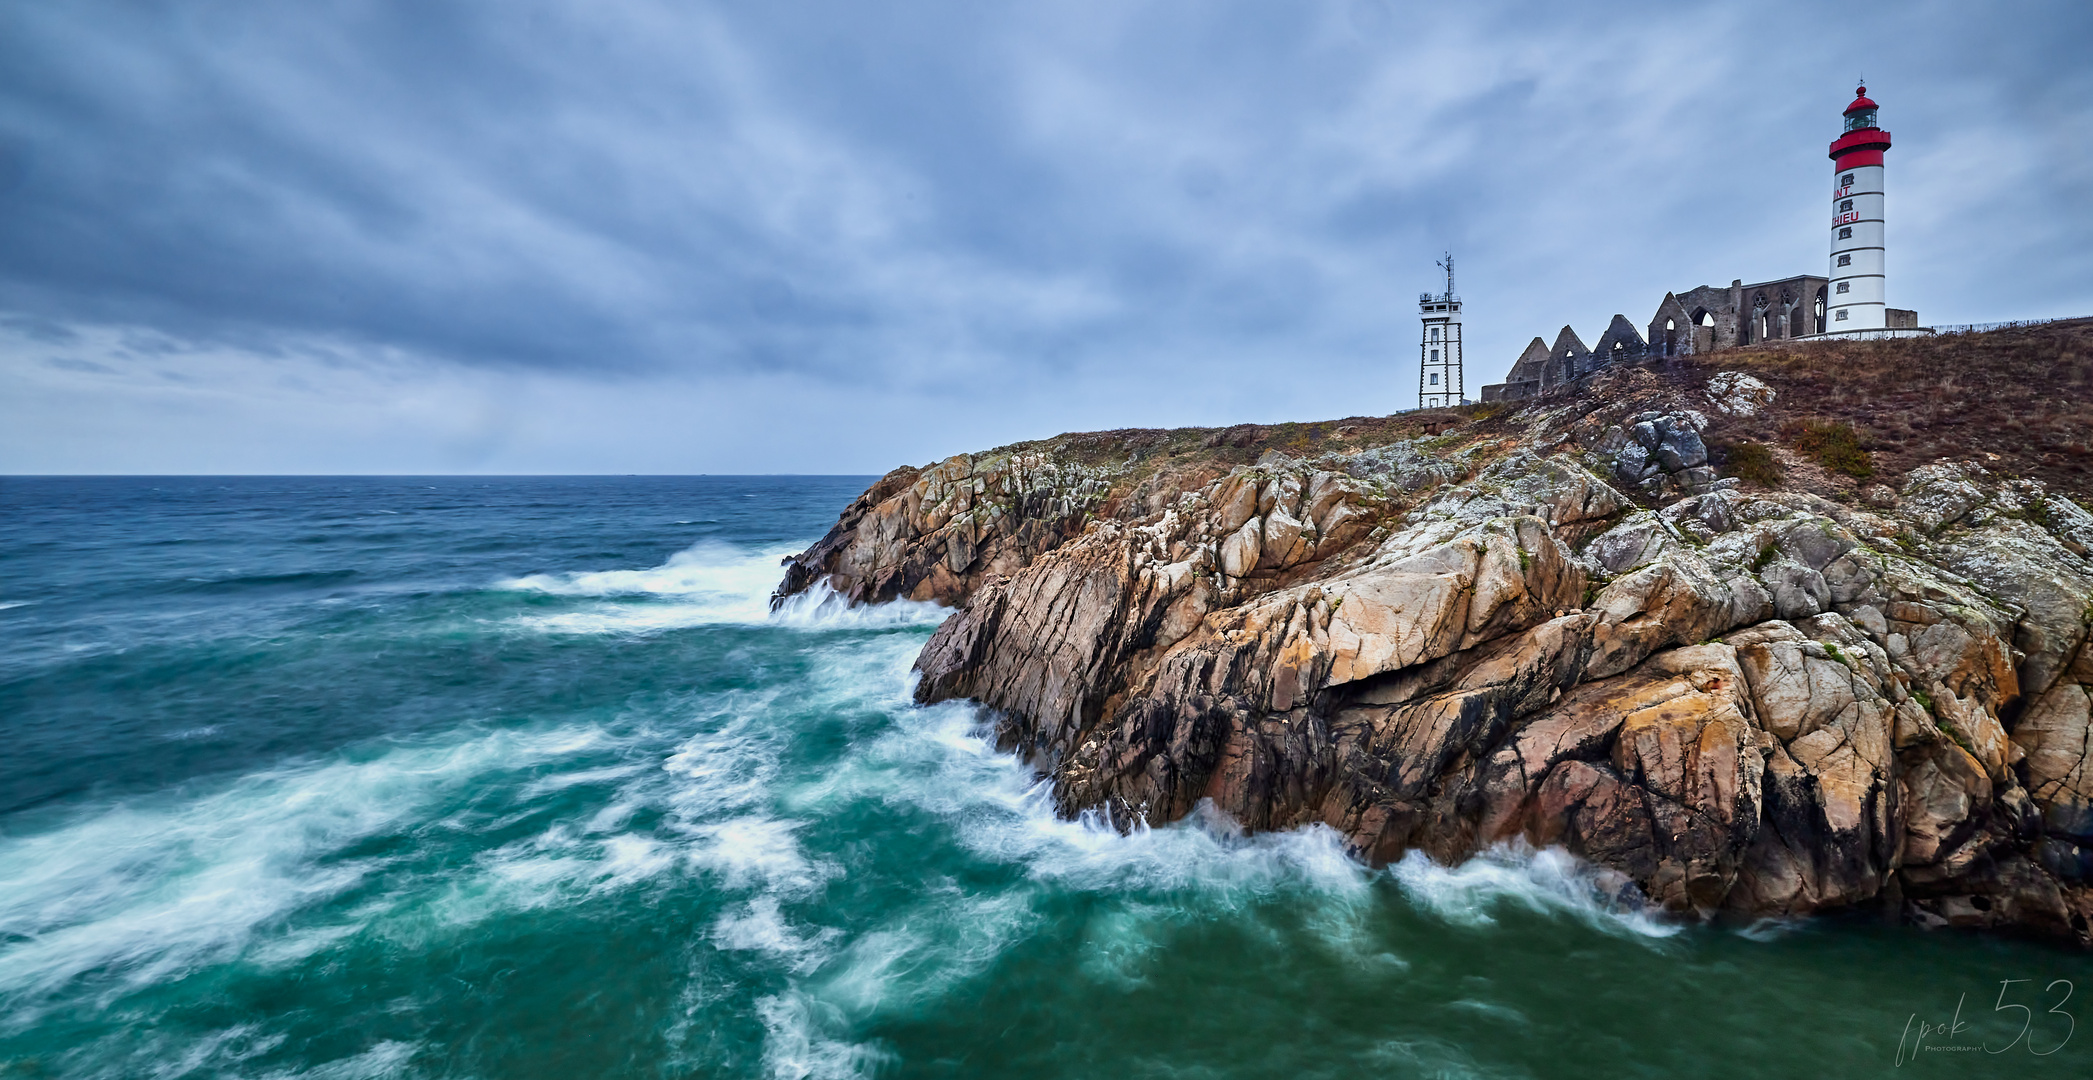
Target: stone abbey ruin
1699	320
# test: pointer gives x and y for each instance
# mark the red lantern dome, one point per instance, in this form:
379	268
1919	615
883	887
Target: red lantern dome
1862	143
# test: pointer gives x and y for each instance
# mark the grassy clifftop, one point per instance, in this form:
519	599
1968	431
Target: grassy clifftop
2019	401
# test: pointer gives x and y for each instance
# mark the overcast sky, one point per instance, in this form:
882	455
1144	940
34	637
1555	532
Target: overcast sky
610	236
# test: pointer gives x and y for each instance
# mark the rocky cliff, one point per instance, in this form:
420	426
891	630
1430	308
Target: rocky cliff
1562	624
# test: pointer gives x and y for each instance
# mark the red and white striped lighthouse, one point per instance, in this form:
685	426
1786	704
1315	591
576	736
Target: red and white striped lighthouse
1857	300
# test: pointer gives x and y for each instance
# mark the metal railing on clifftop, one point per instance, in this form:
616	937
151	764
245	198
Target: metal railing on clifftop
2011	324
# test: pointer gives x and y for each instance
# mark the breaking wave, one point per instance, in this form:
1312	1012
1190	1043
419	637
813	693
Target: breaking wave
707	584
1549	881
823	608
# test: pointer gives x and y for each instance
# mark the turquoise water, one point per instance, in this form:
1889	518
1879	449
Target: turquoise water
519	778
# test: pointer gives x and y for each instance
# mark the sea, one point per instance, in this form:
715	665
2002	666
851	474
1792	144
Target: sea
521	777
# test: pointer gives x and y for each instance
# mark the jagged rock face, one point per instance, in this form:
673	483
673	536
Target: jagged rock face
1748	704
923	534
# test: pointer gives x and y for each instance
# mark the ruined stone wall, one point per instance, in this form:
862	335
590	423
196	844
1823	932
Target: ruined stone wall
1740	314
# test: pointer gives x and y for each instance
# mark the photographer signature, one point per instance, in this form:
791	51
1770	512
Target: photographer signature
1917	1032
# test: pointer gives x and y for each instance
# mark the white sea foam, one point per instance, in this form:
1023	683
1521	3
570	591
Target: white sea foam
733	762
545	785
152	893
710	583
155	1054
949	935
1504	1014
759	927
798	1049
6	604
939	759
1119	942
633	619
757	850
705	568
146	891
1435	1057
1153	880
388	1059
1771	929
1549	881
823	608
561	858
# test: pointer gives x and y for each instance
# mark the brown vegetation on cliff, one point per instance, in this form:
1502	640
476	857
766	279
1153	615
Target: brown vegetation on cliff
2019	400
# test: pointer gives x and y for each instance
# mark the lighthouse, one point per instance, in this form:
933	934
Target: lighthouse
1439	346
1856	300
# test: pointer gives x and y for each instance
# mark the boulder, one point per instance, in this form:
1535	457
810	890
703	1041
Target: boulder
1244	548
